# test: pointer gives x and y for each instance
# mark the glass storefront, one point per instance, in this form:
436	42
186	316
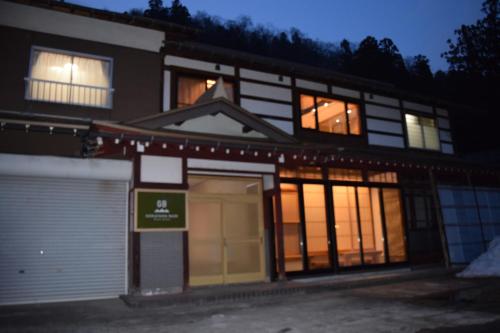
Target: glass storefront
352	219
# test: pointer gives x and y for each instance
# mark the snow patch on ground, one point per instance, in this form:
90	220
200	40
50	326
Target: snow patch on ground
486	265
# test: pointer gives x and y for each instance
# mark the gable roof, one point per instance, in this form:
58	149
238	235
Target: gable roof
174	119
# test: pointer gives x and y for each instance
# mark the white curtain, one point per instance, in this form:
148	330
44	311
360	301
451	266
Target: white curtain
90	72
56	78
50	67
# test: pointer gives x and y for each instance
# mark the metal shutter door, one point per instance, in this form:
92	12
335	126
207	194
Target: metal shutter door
61	239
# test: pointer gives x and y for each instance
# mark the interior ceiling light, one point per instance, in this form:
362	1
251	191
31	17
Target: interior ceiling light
349	111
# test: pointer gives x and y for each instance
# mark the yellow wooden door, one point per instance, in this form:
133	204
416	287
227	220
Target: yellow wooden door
226	233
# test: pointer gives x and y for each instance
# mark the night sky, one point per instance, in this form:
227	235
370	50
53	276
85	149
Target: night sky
416	26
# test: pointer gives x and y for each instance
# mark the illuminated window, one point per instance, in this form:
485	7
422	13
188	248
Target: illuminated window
330	115
353	116
352	175
422	132
302	172
382	177
189	89
308	111
70	78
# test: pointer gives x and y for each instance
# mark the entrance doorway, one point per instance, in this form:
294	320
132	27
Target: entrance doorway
226	230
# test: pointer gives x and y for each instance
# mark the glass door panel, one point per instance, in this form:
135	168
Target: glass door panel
316	228
292	232
205	242
394	225
346	225
371	225
242	234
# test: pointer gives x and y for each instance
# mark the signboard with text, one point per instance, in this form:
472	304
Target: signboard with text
160	210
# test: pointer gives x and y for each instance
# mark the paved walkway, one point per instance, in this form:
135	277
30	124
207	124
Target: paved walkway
439	303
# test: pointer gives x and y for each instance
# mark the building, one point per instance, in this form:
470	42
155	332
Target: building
133	159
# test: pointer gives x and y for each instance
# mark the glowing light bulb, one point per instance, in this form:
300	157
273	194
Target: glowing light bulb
70	66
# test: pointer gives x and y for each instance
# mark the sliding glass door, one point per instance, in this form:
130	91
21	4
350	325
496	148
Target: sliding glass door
305	229
292	228
368	225
316	228
353	225
346	225
370	219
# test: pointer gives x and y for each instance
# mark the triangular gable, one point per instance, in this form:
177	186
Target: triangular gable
216	124
216	117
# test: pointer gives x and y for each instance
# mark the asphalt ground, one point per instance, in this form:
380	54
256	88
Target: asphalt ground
438	304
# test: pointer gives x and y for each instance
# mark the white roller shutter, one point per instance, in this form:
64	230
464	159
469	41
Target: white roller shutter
61	239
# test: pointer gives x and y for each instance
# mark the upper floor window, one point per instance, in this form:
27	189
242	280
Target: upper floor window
422	132
330	115
189	89
70	78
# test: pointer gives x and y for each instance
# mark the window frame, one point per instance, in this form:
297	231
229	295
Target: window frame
176	73
419	115
343	99
110	60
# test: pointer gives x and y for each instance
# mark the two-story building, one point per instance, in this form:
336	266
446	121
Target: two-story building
134	159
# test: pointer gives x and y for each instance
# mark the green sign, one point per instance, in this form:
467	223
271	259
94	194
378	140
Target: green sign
160	210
